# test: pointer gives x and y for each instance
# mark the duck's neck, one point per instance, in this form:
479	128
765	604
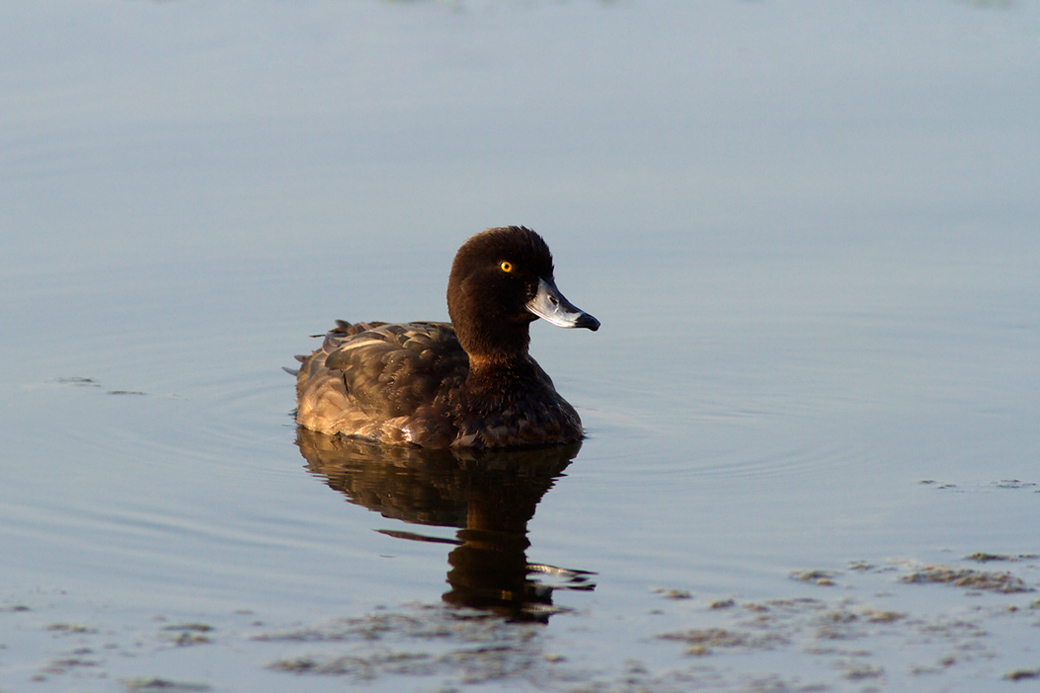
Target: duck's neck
500	378
497	351
495	342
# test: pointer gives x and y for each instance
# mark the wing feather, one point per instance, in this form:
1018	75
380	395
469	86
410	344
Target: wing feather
378	375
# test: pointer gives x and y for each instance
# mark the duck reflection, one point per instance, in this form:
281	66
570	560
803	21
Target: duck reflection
490	495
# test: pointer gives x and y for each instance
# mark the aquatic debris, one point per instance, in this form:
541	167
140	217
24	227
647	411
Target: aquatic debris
986	557
966	577
369	627
823	578
1022	674
797	605
868	567
982	557
196	627
474	646
938	485
364	668
700	641
939	667
190	633
64	664
92	382
500	659
882	616
954	629
70	628
158	684
844	623
1013	484
76	380
669	593
861	670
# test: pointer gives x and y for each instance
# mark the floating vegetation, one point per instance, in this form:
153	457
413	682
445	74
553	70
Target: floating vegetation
848	636
722	604
194	627
986	557
858	671
190	634
62	665
824	578
184	639
158	684
506	661
937	484
701	641
1022	674
1013	483
981	557
93	382
369	627
76	380
882	616
792	605
70	628
836	639
967	577
364	668
14	608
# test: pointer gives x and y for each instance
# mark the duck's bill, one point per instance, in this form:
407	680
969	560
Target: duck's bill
549	304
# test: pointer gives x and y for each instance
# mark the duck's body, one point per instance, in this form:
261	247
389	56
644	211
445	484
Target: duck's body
471	383
409	383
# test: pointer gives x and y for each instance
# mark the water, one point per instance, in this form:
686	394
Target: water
810	233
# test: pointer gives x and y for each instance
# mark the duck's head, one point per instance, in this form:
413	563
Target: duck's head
501	281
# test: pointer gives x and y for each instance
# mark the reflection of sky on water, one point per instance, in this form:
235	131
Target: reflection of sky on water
269	125
809	231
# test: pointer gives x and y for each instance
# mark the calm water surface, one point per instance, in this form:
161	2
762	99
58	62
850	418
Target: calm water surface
811	235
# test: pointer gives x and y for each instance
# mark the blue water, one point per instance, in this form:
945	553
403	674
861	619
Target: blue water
811	235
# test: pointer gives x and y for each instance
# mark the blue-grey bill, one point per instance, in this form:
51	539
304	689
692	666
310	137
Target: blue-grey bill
549	304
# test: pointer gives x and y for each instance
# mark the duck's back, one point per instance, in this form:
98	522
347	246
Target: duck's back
407	383
386	382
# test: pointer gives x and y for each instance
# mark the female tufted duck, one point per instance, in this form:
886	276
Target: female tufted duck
470	383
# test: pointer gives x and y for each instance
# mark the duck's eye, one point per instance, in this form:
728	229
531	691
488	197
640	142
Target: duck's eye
506	266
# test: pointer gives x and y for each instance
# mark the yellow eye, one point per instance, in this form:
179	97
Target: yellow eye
506	266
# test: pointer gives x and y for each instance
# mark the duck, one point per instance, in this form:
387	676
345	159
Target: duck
470	383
